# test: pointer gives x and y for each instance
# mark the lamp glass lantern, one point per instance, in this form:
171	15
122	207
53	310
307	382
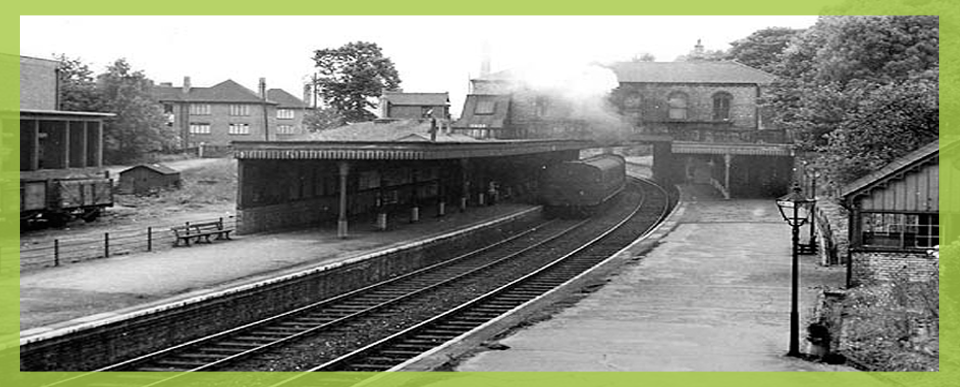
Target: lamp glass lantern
794	207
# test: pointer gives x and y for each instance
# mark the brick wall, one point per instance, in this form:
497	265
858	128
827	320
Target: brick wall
220	120
288	215
654	108
38	84
871	267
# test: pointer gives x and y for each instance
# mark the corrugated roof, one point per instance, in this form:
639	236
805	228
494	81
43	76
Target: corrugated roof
907	161
285	99
403	130
417	99
226	91
159	168
469	118
689	72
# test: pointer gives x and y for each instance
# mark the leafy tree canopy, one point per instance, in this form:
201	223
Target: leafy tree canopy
763	48
139	127
860	90
351	76
78	88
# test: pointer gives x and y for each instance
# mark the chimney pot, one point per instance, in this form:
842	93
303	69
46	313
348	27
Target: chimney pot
186	85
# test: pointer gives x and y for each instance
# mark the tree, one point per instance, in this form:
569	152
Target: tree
323	118
78	88
762	48
350	76
859	90
139	127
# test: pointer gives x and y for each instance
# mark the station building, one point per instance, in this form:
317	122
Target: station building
409	166
703	119
53	142
894	218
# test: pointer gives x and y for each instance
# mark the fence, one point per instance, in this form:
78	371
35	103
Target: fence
109	244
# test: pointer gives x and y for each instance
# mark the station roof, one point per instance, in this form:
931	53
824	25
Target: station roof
690	72
416	99
384	131
397	150
893	170
63	114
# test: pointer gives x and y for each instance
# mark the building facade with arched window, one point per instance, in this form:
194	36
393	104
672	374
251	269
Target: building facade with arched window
692	100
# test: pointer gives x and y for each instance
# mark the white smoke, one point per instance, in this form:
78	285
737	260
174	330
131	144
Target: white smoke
583	88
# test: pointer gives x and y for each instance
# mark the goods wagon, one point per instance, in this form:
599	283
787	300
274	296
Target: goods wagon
56	200
580	187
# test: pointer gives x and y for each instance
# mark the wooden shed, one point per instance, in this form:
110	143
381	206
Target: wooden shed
894	219
147	178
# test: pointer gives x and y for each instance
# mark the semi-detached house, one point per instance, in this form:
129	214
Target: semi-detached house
214	116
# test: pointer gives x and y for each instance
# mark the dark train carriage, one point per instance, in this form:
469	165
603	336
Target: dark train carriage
59	199
581	186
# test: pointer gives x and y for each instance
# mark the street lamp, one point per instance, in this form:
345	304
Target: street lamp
795	208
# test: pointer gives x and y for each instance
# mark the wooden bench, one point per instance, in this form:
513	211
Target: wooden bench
198	232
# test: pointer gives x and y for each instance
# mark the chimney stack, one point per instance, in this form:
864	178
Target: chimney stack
263	88
485	60
186	85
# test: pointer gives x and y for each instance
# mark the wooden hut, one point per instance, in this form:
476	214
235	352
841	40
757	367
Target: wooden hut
147	178
894	219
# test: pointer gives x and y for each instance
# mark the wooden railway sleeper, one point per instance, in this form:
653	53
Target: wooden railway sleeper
399	352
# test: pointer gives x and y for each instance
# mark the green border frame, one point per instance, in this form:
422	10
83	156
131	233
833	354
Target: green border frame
949	18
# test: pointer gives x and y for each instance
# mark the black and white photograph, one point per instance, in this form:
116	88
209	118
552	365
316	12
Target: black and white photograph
305	194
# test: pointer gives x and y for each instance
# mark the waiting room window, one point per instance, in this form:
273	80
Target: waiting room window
485	106
678	105
239	110
285	114
900	231
239	129
721	106
285	129
200	109
198	128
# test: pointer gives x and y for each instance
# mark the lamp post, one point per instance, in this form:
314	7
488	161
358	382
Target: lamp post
813	215
795	208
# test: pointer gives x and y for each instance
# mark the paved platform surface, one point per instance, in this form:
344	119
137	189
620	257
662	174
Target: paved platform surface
79	293
714	295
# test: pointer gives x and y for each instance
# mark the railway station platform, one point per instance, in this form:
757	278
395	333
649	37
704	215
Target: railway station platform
712	295
70	296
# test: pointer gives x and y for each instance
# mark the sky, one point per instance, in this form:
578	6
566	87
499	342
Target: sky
431	53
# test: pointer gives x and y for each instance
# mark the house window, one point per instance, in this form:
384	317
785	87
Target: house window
721	106
426	112
540	106
238	129
285	129
900	231
239	110
168	108
198	128
678	105
200	109
485	106
285	114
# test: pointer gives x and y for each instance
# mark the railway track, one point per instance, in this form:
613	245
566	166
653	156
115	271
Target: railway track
390	353
514	263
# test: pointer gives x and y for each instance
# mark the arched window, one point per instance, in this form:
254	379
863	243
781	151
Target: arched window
721	106
678	105
633	101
